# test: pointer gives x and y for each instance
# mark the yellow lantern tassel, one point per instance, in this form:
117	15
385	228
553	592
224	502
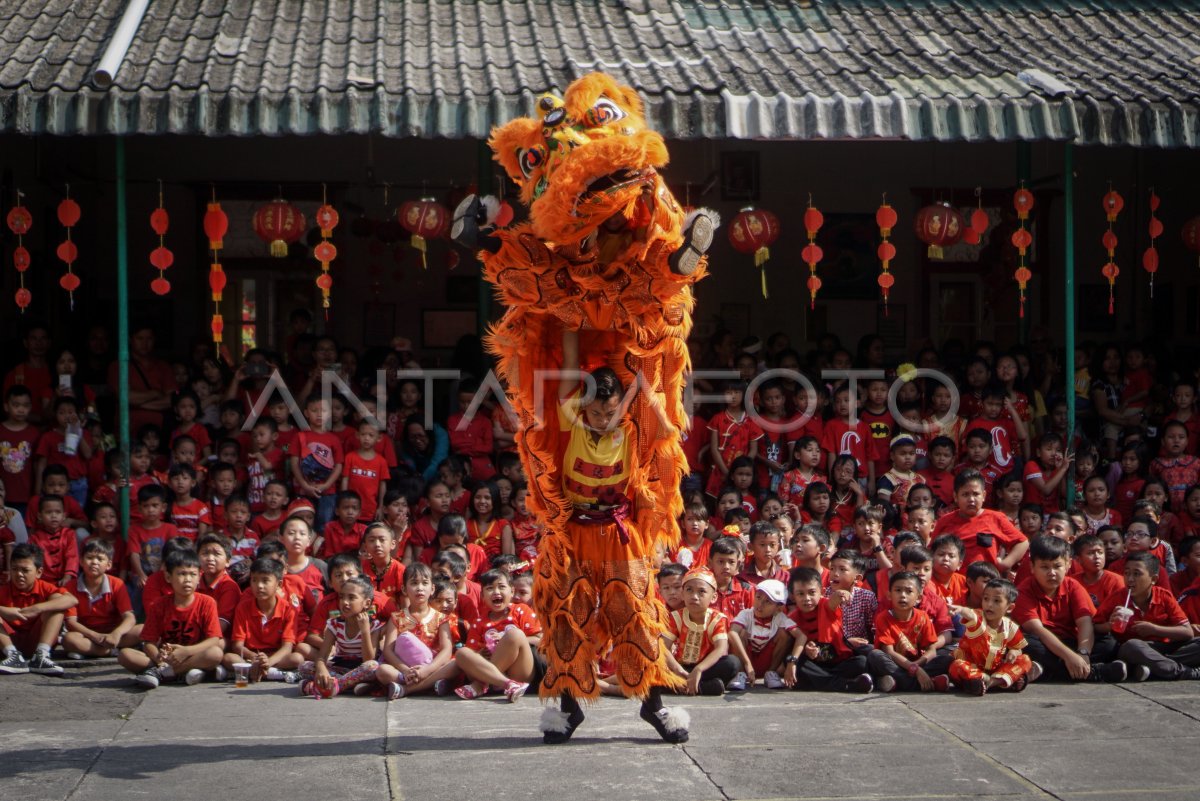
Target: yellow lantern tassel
278	248
418	242
763	272
936	252
760	256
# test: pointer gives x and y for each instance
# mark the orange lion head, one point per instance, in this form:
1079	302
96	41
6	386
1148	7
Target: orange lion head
588	157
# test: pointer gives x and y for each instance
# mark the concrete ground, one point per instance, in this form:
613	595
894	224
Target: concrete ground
92	736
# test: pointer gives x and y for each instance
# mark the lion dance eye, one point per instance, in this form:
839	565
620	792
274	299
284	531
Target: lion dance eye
531	159
604	112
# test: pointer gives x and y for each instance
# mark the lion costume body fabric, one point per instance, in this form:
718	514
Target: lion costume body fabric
594	257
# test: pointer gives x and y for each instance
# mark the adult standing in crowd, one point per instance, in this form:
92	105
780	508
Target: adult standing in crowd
151	380
34	373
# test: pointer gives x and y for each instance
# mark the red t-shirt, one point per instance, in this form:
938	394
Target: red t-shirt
225	591
319	454
1162	580
265	632
1057	613
17	449
971	529
314	581
364	477
940	482
36	379
1105	585
384	446
60	552
486	632
1161	610
839	437
693	439
257	476
390	581
197	432
739	596
148	543
909	638
263	526
1049	503
1004	439
733	440
1125	494
11	596
882	426
182	625
824	627
338	540
953	590
52	446
103	611
187	517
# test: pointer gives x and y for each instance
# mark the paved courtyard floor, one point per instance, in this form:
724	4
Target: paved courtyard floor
92	736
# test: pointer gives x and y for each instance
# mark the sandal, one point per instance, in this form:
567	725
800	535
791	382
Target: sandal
469	693
513	690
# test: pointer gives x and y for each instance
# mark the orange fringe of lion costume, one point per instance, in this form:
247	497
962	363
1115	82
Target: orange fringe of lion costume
594	257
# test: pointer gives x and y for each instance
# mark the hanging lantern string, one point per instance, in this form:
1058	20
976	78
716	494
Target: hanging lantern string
1155	229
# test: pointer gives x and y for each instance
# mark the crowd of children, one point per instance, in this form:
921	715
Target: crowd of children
847	551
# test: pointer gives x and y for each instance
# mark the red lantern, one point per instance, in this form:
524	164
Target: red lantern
885	218
938	226
279	223
425	219
161	257
325	251
1191	234
68	215
216	225
1022	239
1113	203
216	282
812	253
754	231
19	222
327	220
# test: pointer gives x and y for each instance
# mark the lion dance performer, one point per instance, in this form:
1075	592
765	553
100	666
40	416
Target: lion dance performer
597	286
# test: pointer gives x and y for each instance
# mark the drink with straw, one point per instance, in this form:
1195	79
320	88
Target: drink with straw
1122	615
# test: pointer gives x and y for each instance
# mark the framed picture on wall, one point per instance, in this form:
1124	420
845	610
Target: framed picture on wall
739	175
849	266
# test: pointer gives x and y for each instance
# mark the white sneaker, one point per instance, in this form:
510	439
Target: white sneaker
738	684
773	680
395	691
193	676
220	673
273	674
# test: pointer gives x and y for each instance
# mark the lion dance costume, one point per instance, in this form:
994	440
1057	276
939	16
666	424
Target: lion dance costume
608	252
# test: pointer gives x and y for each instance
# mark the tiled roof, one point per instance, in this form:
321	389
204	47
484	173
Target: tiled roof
909	69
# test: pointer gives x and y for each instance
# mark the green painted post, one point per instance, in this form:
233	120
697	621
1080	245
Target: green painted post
483	183
1069	298
123	330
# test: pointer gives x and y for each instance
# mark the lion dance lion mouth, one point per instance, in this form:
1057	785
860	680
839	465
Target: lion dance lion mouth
590	160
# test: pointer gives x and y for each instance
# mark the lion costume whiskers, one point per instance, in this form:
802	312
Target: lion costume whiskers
608	252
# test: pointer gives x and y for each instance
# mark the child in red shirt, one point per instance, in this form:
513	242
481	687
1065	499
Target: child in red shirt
189	514
732	433
938	476
31	614
805	470
275	500
491	534
317	460
343	533
732	594
1055	613
906	654
417	643
146	539
1044	476
264	462
365	472
1175	467
948	580
698	638
981	530
222	483
693	548
989	655
499	650
243	543
385	572
472	436
106	528
306	574
1007	433
102	619
1088	568
52	449
425	527
1156	639
215	581
18	443
60	547
839	438
265	628
820	658
181	637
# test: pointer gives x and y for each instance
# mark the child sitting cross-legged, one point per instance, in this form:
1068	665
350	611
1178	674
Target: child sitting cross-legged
31	614
349	644
417	643
266	627
182	633
499	650
766	633
989	656
342	566
821	659
102	620
906	644
858	606
699	638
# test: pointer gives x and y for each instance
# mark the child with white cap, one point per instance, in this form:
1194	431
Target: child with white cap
767	634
